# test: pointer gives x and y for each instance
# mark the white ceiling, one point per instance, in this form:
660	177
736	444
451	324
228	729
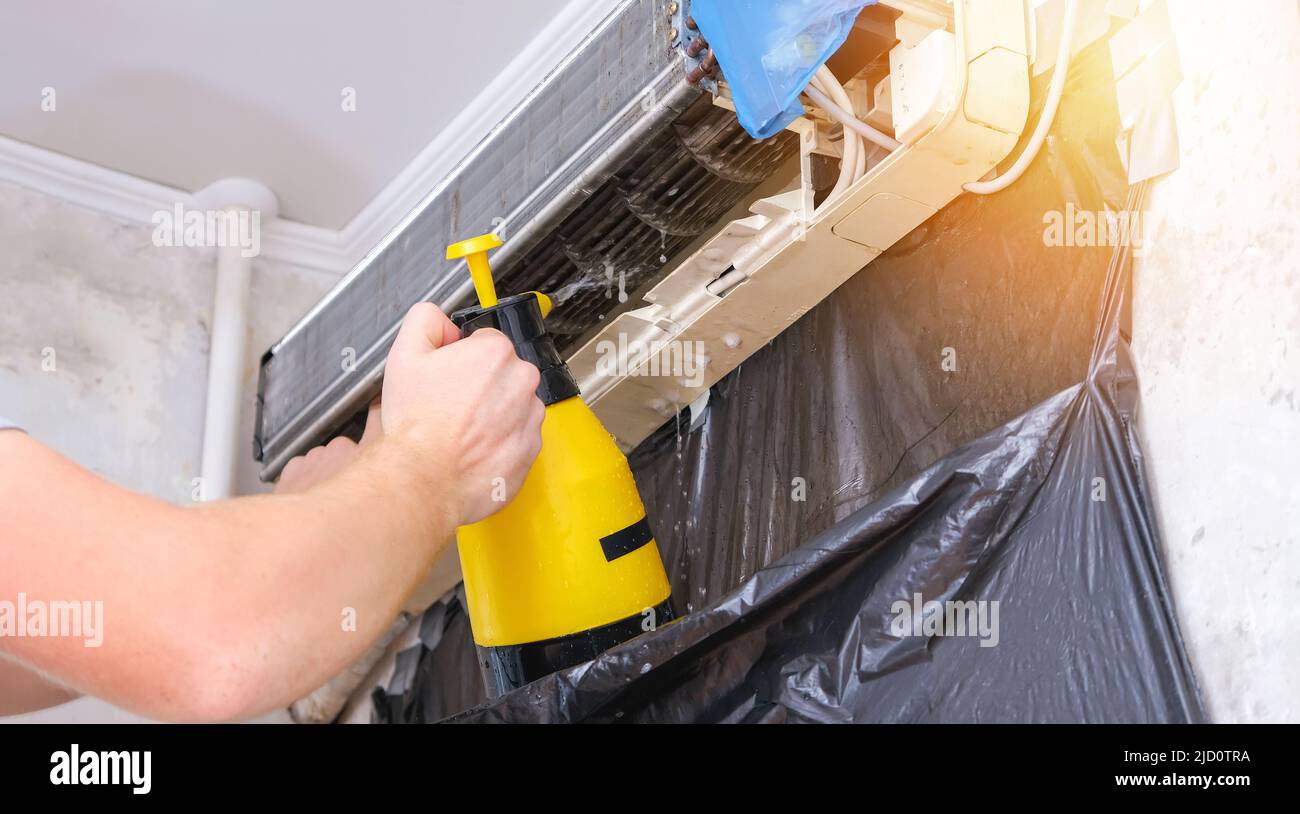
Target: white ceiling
184	94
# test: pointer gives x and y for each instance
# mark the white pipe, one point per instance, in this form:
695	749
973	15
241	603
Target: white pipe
1045	119
226	354
860	169
847	119
853	161
852	150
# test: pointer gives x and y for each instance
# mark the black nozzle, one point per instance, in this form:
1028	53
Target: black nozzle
520	318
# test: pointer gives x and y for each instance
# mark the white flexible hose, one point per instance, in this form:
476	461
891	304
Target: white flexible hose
861	168
853	163
849	120
853	151
1045	119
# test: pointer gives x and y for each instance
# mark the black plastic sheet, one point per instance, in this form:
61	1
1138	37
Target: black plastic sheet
846	468
1047	516
437	677
966	323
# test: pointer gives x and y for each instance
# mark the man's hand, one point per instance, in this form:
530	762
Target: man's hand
470	405
323	462
467	405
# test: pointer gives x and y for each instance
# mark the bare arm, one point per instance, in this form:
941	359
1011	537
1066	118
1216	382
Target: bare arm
230	609
24	690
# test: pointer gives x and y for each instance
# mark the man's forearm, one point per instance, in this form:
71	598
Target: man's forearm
328	570
225	610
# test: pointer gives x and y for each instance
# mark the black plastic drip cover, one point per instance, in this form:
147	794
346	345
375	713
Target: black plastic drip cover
520	318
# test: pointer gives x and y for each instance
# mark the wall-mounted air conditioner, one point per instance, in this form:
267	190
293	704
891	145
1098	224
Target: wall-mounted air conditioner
673	243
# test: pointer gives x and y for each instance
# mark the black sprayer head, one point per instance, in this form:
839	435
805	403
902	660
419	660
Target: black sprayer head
520	318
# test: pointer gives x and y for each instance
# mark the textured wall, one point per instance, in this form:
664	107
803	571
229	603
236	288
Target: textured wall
1217	335
127	325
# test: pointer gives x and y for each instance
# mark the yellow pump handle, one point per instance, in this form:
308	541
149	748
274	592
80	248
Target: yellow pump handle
475	252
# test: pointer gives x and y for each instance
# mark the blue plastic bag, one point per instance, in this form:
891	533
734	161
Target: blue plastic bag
769	50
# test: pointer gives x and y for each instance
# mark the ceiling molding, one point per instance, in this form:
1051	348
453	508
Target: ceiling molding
136	200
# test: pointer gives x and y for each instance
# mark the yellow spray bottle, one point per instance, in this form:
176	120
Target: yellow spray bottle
569	568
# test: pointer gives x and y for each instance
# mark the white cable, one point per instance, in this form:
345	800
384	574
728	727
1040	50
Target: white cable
860	169
853	163
852	149
849	143
1045	119
849	120
843	99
